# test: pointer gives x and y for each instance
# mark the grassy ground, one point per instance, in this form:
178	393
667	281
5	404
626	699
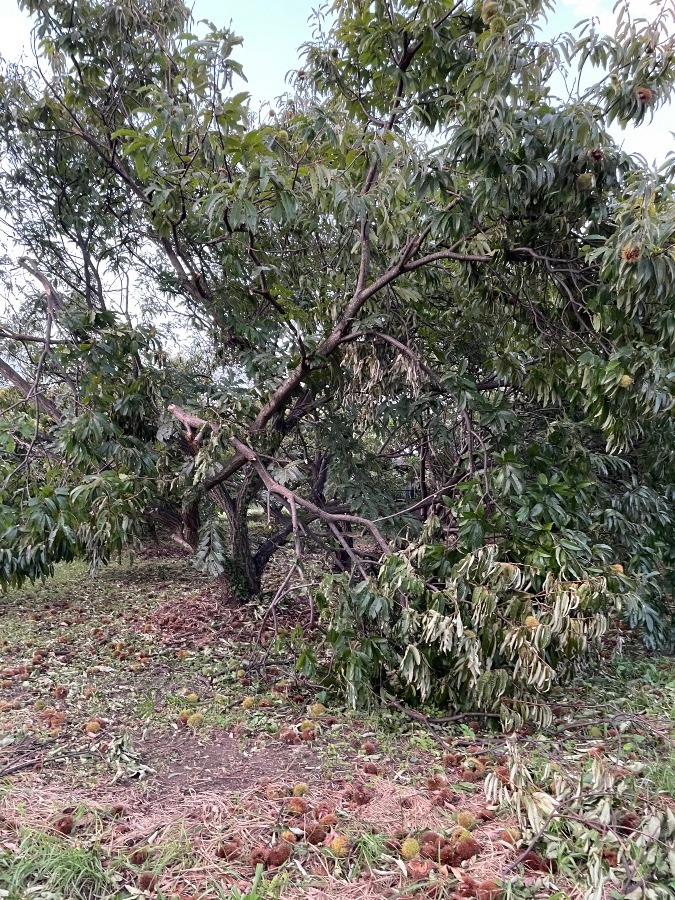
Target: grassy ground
155	741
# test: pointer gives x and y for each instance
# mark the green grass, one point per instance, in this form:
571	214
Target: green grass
44	865
48	867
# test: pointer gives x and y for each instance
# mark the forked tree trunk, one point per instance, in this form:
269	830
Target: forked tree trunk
239	547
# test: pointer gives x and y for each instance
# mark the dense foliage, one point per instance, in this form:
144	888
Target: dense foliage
424	275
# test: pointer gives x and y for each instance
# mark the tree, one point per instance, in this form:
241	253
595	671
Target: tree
425	272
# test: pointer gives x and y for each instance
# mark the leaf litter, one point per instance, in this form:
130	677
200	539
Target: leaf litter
99	677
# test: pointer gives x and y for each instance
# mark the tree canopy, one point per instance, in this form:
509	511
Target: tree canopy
423	312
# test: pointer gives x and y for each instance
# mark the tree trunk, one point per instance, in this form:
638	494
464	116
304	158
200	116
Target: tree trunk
240	551
190	526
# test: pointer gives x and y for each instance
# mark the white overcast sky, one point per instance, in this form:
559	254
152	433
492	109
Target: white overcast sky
273	31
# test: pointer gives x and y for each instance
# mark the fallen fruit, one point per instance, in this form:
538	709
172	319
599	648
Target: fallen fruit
297	805
339	846
277	856
258	855
316	834
64	825
228	850
196	720
466	819
147	881
488	890
410	848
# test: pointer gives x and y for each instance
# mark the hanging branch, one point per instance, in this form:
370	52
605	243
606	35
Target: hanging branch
293	498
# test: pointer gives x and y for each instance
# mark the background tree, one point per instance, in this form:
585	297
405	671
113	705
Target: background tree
426	272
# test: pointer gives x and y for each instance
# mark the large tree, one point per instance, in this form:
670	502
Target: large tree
431	271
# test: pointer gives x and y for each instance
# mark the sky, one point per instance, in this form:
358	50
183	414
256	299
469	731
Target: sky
273	31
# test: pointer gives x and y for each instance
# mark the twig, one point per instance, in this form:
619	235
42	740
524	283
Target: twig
533	843
441	720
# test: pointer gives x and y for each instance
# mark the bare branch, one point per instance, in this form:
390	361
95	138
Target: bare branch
294	499
28	392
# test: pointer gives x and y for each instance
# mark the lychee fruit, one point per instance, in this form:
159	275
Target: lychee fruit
278	855
628	823
147	881
444	797
465	849
450	760
611	858
258	855
536	863
586	181
466	819
410	848
437	782
510	835
490	10
64	825
316	834
489	890
631	254
297	806
228	849
196	720
339	846
430	844
275	792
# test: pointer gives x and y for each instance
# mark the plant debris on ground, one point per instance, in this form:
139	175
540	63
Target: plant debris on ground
156	741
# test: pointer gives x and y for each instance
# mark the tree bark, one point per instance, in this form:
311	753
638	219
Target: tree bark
241	554
190	525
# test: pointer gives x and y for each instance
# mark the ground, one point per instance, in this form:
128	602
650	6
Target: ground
156	741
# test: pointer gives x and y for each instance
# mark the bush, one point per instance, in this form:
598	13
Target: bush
476	632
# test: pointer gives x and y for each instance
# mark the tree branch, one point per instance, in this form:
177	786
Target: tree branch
294	499
29	391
